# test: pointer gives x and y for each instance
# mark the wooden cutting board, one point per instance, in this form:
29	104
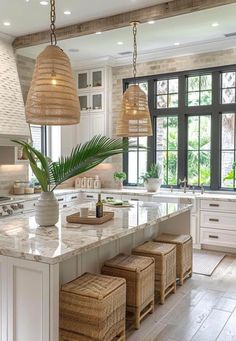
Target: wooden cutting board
91	219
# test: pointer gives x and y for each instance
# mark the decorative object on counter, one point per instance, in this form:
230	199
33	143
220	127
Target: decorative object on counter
82	158
139	273
116	203
90	183
151	178
91	218
99	207
97	183
165	266
92	307
47	209
52	97
134	118
21	187
119	178
184	253
78	182
84	212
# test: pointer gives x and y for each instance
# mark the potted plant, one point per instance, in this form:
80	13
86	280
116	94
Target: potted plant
151	178
119	177
51	174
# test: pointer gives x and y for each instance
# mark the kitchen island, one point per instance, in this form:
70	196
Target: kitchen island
35	261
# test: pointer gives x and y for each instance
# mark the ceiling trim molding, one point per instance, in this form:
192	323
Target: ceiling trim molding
156	12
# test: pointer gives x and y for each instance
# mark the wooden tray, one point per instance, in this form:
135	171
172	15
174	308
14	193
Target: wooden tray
91	219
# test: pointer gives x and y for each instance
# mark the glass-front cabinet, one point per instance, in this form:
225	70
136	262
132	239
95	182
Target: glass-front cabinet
92	102
90	80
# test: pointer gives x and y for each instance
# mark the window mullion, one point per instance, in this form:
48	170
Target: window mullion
182	131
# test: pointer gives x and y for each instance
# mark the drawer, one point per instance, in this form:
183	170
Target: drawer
218	220
29	205
111	196
218	237
89	196
72	197
218	205
135	197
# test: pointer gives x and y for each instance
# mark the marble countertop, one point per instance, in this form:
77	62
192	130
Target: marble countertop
21	237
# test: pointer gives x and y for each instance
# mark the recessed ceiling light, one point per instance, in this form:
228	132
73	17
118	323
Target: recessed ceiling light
67	12
99	32
215	24
120	43
7	23
151	22
73	50
44	3
176	44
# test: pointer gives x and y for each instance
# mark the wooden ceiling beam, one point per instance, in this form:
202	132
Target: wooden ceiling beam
156	12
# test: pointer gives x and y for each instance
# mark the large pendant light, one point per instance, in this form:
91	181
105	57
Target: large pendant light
52	98
134	119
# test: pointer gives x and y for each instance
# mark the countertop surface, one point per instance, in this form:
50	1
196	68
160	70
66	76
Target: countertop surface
20	236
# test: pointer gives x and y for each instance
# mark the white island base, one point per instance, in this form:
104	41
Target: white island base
30	282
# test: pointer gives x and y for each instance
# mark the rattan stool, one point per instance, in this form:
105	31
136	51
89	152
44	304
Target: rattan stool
184	253
165	266
139	273
92	307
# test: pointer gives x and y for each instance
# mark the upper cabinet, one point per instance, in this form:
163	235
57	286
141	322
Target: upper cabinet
90	80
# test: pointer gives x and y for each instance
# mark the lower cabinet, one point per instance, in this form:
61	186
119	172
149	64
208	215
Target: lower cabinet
26	301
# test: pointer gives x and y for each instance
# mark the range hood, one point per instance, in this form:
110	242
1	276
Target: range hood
12	110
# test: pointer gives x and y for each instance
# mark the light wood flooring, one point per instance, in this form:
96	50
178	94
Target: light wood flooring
203	309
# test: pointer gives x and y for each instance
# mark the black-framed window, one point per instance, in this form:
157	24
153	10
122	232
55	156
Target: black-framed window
204	100
39	137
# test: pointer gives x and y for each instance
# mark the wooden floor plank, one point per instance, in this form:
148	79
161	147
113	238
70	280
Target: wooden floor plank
229	331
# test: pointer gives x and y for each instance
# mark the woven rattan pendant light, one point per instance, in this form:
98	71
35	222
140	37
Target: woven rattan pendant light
134	119
52	98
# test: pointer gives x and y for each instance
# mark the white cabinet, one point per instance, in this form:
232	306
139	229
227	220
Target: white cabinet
3	298
91	102
28	300
90	79
135	197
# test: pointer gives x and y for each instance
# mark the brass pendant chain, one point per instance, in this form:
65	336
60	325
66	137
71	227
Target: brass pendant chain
52	26
135	53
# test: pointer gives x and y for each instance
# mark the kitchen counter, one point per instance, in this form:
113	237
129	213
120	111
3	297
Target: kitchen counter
20	236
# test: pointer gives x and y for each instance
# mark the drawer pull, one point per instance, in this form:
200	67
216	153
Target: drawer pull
134	199
89	196
60	199
73	197
213	237
214	205
64	206
110	198
213	219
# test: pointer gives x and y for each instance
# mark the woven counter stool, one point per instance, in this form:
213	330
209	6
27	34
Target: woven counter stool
165	266
184	253
139	273
92	307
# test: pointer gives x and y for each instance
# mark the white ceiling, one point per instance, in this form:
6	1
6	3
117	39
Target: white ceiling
193	31
29	16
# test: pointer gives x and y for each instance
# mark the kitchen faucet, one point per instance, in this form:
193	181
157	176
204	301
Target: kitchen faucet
184	182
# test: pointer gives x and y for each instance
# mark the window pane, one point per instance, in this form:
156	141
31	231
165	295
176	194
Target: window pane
173	86
36	132
173	101
162	87
206	82
167	145
227	160
228	80
144	87
193	99
142	157
205	98
137	161
193	83
199	146
228	96
228	131
162	101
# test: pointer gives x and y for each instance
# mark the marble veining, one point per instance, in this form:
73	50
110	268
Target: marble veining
21	237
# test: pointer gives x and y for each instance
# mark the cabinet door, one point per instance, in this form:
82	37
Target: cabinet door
97	124
97	102
97	78
83	129
28	300
84	103
3	298
83	80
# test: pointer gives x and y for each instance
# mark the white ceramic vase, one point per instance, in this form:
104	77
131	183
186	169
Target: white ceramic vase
153	185
47	209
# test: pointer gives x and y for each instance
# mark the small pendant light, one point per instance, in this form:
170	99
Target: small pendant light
52	97
134	119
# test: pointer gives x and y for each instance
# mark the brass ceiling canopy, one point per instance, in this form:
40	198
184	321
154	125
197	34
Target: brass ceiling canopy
52	98
134	119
